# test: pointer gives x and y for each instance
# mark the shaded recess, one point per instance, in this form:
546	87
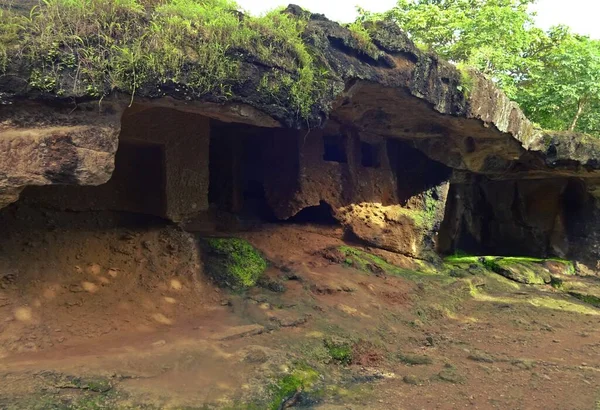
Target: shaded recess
535	217
137	185
251	168
370	155
182	166
334	148
321	214
161	169
415	172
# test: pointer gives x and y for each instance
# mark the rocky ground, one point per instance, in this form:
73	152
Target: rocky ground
98	317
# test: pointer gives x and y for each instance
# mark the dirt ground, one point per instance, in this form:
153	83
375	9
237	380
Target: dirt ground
112	311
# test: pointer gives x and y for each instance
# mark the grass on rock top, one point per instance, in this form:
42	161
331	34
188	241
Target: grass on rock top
92	47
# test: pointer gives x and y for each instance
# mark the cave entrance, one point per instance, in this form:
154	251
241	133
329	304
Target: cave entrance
370	156
251	167
335	148
536	218
161	169
415	172
190	169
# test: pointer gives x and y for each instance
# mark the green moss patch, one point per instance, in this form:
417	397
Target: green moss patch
586	298
233	262
467	80
362	36
449	374
339	351
531	271
301	379
425	217
369	263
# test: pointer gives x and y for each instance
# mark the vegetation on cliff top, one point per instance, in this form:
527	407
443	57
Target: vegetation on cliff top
92	47
553	75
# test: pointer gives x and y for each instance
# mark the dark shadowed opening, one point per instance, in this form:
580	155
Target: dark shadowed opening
334	148
414	171
370	155
245	162
577	209
321	214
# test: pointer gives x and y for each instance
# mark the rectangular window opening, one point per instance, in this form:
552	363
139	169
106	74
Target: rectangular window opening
370	155
334	149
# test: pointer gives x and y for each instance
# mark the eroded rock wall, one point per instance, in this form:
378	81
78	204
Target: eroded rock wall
185	138
161	169
385	192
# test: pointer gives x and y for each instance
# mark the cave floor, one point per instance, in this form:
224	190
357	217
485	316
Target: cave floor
116	318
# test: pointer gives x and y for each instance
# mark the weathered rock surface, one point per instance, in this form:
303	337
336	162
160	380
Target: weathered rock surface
395	128
42	145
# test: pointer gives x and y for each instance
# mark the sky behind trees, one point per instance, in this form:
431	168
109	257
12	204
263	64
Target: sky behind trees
580	15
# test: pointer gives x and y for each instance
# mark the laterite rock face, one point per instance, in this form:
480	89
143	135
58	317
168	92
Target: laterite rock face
406	152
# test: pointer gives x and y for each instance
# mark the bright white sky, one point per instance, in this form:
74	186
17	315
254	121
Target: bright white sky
580	15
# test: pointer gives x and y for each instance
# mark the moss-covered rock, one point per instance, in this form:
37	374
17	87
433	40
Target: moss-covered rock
301	379
530	271
233	262
373	264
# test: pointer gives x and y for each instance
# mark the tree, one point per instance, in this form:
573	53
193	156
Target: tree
554	75
490	35
562	88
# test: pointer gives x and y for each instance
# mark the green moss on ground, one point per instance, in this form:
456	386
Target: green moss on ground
233	262
526	270
92	47
450	374
414	359
301	379
73	393
339	351
370	263
586	298
461	258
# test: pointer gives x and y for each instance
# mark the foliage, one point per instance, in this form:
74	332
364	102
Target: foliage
490	35
363	38
554	75
562	88
93	47
10	25
234	263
